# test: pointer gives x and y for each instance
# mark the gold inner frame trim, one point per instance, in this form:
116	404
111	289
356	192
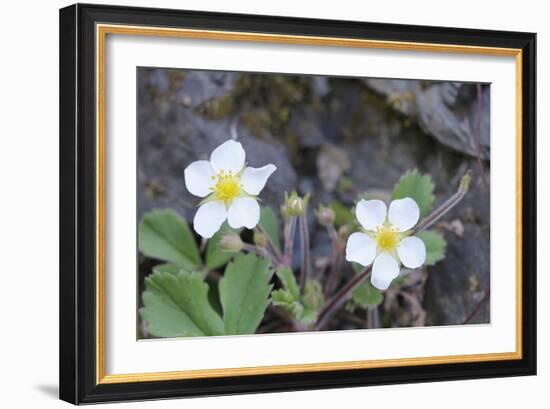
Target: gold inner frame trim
101	33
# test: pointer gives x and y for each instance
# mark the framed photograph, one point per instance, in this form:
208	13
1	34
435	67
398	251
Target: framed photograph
257	203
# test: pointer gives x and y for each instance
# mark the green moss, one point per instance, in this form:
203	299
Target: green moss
218	108
265	102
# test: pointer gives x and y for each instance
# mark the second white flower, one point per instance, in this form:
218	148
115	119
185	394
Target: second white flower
385	240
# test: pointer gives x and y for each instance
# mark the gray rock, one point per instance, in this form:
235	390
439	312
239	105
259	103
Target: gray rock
201	86
446	110
321	86
456	285
305	127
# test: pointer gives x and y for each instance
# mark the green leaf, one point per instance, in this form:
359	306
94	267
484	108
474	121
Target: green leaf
288	297
366	295
303	308
435	246
244	293
282	298
288	280
312	300
215	256
418	187
177	306
167	268
342	214
268	220
165	236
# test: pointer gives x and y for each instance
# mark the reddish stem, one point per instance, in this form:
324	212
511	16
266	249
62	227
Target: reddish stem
304	240
335	262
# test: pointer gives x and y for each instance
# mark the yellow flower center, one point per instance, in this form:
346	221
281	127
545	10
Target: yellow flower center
227	186
387	238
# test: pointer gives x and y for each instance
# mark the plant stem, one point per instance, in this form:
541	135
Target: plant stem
259	251
340	297
353	319
335	262
270	245
304	241
373	318
289	231
477	307
446	206
202	245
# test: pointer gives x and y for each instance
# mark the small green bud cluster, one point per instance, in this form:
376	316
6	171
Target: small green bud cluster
294	205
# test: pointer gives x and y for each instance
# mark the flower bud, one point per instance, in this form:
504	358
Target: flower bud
284	211
325	215
260	240
295	205
231	242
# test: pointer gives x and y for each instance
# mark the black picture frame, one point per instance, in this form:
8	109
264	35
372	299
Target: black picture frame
78	360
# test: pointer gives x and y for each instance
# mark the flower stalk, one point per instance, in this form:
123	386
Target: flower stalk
446	206
258	250
304	241
289	232
373	318
336	260
270	246
340	298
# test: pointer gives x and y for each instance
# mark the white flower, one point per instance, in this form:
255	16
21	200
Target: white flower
385	239
228	187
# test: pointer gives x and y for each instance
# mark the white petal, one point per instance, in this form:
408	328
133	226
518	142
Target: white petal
244	212
253	179
361	249
384	270
371	213
229	156
209	218
198	178
403	213
412	252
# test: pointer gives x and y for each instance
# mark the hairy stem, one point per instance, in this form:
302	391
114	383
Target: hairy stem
336	261
304	241
270	245
340	297
289	231
446	206
259	251
485	298
373	318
